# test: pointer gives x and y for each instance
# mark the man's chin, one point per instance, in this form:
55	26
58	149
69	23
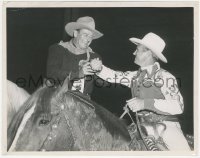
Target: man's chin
136	62
84	47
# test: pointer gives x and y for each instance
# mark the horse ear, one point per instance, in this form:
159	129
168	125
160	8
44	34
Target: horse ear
64	88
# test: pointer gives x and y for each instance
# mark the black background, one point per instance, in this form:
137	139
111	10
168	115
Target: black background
30	31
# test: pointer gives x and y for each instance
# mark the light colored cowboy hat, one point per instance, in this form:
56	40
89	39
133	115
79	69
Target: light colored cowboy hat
83	23
152	42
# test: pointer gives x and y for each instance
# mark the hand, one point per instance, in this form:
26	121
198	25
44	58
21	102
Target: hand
136	104
125	108
96	64
86	68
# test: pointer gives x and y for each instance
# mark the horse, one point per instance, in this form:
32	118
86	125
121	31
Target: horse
58	119
16	96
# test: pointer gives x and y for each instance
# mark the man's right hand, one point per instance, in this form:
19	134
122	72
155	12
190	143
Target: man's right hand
135	104
86	68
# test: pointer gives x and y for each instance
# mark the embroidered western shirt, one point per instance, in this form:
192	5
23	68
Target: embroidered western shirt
156	86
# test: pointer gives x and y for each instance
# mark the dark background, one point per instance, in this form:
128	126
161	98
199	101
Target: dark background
30	31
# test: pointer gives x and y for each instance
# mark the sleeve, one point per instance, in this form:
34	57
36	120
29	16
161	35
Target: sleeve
173	102
54	65
120	77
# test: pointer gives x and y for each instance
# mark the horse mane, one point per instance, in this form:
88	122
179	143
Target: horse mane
40	97
112	123
16	95
43	107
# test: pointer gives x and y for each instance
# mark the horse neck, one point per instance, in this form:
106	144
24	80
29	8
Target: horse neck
88	123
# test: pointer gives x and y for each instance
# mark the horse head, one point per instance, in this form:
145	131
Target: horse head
56	119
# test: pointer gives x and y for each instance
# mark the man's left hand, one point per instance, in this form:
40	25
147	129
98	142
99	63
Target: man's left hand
136	104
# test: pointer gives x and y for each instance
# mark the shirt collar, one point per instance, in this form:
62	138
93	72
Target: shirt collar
71	47
155	67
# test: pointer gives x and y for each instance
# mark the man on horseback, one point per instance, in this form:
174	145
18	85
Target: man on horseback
156	97
72	58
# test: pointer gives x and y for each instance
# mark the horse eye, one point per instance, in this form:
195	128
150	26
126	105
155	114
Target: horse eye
43	122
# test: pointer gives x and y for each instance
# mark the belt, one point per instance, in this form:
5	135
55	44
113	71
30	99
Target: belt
152	117
170	118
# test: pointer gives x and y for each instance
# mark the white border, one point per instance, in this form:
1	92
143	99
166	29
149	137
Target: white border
108	4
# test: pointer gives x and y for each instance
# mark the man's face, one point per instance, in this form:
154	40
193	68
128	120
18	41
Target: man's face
84	38
142	54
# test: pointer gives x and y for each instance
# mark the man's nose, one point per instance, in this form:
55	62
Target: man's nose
89	39
134	53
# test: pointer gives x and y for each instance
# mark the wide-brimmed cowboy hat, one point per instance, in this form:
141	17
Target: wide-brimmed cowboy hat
83	23
153	42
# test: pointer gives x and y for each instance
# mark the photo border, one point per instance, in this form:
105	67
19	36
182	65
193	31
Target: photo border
34	4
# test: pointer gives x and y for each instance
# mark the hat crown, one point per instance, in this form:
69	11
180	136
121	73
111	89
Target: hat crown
154	41
87	21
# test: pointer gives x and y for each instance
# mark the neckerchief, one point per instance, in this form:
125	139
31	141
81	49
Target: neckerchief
71	47
143	71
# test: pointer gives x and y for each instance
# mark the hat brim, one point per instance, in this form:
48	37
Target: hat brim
70	27
158	54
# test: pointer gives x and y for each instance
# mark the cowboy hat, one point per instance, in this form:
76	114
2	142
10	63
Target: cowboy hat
83	23
152	42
